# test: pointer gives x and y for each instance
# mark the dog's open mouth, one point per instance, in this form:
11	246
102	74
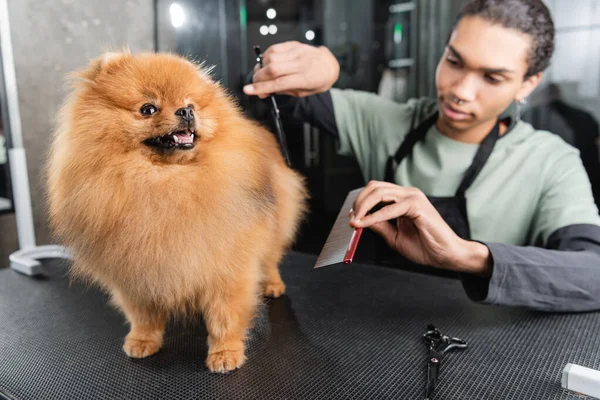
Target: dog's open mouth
183	140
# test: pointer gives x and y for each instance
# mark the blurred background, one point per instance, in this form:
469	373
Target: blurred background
383	46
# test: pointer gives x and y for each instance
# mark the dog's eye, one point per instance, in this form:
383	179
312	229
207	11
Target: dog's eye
148	109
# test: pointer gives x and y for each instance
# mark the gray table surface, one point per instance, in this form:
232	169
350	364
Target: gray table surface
340	332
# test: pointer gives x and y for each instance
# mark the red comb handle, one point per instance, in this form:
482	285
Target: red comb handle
352	246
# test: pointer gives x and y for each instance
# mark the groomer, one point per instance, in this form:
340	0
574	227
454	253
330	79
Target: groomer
474	189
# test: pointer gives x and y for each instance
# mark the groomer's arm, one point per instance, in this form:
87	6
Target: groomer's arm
563	274
301	76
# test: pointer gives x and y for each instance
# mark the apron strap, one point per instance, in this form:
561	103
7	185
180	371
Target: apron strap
481	156
407	145
483	153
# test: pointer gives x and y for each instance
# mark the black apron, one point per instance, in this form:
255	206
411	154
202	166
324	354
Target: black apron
452	209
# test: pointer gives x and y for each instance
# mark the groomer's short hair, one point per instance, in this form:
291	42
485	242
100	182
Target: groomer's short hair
530	17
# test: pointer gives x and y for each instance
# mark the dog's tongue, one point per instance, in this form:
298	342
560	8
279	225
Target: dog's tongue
184	138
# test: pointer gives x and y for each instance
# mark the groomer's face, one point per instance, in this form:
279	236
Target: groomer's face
483	65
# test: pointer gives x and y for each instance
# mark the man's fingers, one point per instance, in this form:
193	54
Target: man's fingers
282	47
278	85
368	190
375	194
387	213
275	58
274	71
295	69
276	62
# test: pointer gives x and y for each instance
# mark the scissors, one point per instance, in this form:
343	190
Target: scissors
438	346
276	116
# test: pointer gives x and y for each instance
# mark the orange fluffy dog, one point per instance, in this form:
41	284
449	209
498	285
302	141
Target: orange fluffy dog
171	200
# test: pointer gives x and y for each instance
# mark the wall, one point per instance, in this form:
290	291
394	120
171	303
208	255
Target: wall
436	18
211	33
51	38
576	63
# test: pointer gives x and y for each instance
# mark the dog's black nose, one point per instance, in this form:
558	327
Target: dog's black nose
185	113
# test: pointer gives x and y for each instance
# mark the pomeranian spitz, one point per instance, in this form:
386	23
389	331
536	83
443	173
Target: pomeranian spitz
171	200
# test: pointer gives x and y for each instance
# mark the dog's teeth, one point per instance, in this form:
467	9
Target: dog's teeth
192	136
175	138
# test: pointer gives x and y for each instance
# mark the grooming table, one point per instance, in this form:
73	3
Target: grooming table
340	332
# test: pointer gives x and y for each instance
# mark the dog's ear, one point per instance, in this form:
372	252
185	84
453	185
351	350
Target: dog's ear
105	64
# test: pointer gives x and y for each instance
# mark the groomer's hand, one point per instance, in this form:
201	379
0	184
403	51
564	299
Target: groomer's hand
295	69
421	234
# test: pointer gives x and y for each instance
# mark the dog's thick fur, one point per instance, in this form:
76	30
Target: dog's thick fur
179	232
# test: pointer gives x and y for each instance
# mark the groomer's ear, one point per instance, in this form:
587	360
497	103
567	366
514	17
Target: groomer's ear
103	64
528	86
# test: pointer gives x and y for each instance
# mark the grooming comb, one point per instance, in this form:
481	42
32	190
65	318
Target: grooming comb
343	240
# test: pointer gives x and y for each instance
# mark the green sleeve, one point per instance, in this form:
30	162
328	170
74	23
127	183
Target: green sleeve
567	195
371	127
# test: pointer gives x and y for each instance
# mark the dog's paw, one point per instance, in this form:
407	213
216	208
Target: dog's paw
225	361
274	289
140	348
